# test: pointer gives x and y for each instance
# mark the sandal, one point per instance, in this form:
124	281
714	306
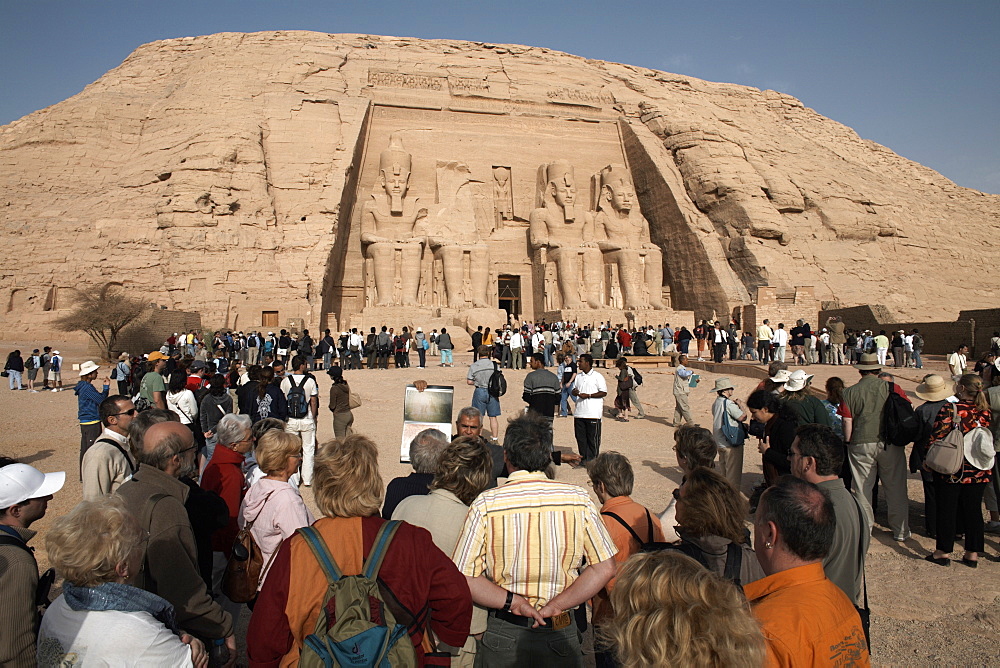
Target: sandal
940	561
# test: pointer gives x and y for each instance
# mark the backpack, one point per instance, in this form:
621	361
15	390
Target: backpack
56	363
900	423
636	375
298	403
306	345
245	566
29	363
358	624
222	365
498	384
383	343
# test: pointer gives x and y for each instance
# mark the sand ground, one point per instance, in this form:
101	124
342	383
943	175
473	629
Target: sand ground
922	614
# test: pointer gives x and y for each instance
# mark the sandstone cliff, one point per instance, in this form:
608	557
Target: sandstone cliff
212	174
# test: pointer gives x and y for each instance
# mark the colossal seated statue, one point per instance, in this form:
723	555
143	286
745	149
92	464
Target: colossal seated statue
564	232
453	235
623	236
391	224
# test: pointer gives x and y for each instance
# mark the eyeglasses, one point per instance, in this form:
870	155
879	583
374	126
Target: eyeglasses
130	411
181	452
297	455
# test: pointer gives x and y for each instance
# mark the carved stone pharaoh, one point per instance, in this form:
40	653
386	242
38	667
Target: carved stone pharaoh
623	236
564	232
453	234
391	223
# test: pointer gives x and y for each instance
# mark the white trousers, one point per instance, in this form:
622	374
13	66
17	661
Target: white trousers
305	428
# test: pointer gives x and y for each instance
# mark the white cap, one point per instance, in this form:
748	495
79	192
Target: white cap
20	482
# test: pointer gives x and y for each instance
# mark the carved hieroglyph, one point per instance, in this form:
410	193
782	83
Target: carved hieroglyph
390	226
563	231
623	235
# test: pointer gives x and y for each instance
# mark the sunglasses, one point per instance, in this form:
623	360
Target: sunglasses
130	411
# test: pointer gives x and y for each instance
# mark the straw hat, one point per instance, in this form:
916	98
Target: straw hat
934	388
123	356
88	367
722	384
868	362
782	376
797	381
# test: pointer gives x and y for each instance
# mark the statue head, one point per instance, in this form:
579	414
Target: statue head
617	189
501	174
562	185
394	172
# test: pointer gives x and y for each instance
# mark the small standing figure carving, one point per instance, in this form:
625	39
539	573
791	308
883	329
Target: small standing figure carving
502	197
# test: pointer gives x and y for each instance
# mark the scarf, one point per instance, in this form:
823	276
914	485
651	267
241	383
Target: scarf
120	597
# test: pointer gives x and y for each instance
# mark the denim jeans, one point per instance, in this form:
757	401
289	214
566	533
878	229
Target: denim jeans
564	401
916	359
14	379
447	357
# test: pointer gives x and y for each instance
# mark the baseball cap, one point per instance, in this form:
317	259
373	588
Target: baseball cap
20	482
157	355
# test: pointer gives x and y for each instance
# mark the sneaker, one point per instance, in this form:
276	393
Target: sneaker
54	390
992	527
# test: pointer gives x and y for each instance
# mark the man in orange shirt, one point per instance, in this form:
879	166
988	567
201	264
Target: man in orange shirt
629	523
807	620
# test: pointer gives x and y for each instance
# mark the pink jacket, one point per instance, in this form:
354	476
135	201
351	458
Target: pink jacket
281	514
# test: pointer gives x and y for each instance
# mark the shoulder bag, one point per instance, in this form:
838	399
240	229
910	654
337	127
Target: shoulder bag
246	564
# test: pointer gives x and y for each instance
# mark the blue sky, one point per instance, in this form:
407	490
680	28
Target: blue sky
920	77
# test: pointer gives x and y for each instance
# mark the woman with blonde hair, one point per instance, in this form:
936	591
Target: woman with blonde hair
670	611
348	490
99	548
960	496
464	470
273	506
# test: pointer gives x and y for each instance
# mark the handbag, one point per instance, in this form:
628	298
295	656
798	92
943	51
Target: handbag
733	433
246	564
946	455
354	401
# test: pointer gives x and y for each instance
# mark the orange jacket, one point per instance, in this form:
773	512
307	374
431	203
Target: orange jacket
807	620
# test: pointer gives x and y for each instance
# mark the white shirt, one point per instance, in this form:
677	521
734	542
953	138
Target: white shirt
516	340
69	637
355	340
780	337
590	383
310	387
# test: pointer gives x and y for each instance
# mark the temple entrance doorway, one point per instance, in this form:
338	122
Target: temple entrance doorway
509	295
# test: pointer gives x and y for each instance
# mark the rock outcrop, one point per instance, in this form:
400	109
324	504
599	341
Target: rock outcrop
225	174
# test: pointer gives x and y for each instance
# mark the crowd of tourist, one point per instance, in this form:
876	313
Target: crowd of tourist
192	473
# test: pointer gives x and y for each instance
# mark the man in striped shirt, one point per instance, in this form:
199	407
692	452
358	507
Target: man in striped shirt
521	551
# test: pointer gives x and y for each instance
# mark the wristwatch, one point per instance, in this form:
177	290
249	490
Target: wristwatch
510	599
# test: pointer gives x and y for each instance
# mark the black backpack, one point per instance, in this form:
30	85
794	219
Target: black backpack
636	375
306	345
498	384
900	423
298	402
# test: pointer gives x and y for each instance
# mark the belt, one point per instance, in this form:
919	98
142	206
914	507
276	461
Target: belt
556	623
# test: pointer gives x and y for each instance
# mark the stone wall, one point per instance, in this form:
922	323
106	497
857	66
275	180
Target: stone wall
987	321
150	335
940	338
780	307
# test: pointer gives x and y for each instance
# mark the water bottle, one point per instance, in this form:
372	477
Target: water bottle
218	653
